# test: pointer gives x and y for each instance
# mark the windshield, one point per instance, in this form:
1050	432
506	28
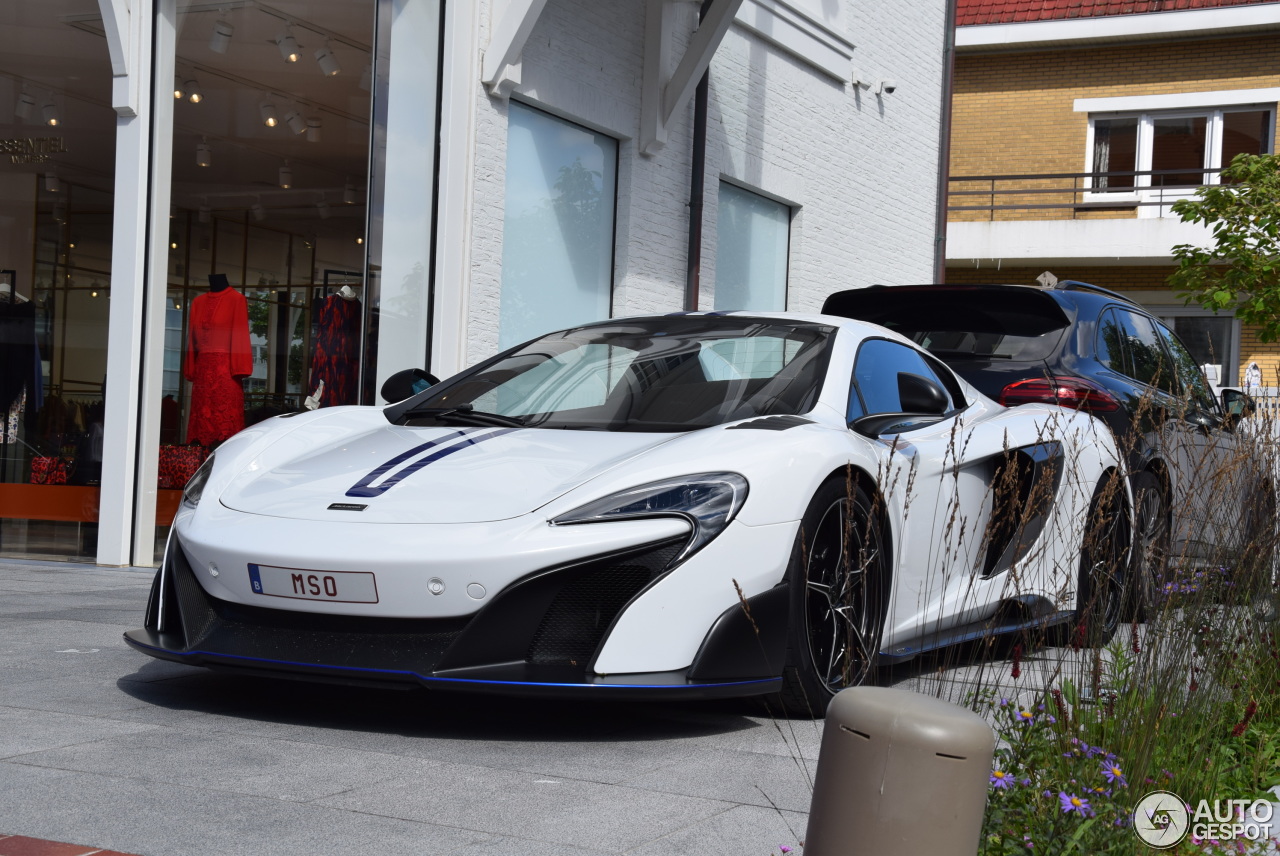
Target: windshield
656	374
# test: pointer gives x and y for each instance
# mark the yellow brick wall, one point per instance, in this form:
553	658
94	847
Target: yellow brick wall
1012	113
1266	355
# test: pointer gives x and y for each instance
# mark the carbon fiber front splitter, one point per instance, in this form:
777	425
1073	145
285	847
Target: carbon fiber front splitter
507	679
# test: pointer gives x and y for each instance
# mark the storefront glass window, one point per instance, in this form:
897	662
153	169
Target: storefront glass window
57	171
557	250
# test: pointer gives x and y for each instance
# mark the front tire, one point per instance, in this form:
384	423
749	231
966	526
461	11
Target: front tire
839	579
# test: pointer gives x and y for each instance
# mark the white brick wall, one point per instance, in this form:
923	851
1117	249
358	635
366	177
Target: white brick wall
861	170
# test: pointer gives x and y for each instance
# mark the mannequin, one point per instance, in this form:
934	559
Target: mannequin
217	358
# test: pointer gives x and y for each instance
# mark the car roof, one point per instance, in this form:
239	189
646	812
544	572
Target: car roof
861	327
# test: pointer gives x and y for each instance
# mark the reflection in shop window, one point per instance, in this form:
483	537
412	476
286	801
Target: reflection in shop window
557	252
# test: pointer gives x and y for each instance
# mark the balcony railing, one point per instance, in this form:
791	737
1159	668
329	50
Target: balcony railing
1077	192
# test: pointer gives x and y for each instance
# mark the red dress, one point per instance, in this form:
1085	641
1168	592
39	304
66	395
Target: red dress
217	357
337	357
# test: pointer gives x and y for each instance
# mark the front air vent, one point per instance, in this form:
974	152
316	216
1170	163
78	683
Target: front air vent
586	606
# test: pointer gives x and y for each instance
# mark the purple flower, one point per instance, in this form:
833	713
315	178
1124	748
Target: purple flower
1113	774
1026	716
1026	782
1001	780
1047	794
1050	718
1072	803
784	848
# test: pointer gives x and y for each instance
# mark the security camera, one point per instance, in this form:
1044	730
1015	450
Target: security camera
886	86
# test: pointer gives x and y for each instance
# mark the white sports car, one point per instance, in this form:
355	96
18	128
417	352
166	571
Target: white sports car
683	506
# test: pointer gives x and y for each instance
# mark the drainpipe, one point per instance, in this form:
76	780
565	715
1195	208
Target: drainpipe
693	271
944	144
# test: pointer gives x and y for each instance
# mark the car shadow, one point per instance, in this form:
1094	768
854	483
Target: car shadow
426	713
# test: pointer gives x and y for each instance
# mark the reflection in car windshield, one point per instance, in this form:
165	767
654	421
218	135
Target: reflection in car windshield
667	374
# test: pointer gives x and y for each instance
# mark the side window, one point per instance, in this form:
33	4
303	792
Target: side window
1147	361
1109	347
875	375
1189	372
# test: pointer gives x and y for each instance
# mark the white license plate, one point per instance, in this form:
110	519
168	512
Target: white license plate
335	586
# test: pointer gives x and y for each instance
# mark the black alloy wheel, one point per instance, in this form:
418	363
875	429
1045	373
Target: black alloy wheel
839	574
1150	545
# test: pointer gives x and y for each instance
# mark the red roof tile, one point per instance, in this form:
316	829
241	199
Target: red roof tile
970	12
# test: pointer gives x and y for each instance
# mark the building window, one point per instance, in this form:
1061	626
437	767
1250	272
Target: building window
557	251
751	255
1173	147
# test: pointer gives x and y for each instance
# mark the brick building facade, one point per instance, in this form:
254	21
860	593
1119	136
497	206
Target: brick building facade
1039	87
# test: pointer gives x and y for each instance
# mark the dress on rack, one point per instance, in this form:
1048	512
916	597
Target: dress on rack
217	357
337	355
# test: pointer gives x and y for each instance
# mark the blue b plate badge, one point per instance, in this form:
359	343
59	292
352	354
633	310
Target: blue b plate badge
302	584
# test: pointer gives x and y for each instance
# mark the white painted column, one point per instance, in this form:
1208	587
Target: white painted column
129	37
457	167
151	374
139	256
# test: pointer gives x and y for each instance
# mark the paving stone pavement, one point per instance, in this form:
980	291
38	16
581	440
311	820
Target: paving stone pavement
108	748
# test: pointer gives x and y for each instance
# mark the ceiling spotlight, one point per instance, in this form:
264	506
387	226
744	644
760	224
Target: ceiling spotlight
178	93
259	213
322	208
25	107
204	155
288	45
50	113
313	130
349	193
221	38
366	78
294	121
285	175
194	95
51	182
328	62
359	240
60	211
268	113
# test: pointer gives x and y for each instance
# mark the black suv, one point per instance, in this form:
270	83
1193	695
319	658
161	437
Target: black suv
1198	496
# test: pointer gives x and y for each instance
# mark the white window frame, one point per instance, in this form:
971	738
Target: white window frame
1146	110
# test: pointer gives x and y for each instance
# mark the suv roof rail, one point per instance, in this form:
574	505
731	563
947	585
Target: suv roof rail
1076	285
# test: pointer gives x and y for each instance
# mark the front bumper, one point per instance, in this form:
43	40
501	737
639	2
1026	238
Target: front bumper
539	636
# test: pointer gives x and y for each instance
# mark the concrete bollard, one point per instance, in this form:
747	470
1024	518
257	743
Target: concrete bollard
899	774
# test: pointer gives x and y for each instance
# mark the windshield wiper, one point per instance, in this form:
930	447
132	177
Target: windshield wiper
467	415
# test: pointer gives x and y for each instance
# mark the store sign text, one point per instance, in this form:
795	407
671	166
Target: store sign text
31	149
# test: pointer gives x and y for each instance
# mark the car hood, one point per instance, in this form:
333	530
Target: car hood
350	470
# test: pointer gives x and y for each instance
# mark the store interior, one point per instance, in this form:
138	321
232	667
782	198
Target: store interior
271	139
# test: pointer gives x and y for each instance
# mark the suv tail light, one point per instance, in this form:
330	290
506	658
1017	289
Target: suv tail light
1073	392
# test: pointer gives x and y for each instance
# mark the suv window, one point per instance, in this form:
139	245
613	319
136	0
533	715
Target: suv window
875	377
1193	380
1145	359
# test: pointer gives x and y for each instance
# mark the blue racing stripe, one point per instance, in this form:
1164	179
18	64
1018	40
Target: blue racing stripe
460	441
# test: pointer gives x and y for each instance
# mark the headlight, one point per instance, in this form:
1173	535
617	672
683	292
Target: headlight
707	500
195	485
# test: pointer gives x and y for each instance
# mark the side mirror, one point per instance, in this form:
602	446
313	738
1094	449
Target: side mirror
406	384
921	395
1237	404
